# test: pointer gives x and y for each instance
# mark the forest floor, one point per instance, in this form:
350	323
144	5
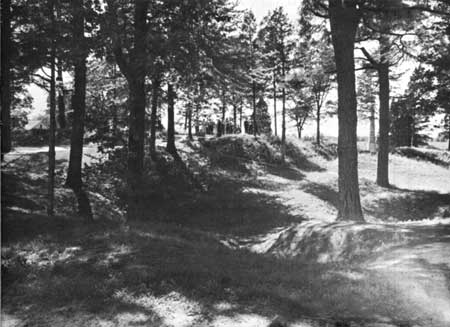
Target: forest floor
259	243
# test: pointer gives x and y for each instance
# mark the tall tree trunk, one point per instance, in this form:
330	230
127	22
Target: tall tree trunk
171	148
61	104
275	104
318	124
344	19
224	108
74	180
52	128
198	101
448	132
255	127
283	117
383	140
135	72
197	118
136	131
136	135
240	119
372	141
5	77
153	116
189	110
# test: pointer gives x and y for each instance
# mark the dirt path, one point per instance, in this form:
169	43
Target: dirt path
404	285
419	277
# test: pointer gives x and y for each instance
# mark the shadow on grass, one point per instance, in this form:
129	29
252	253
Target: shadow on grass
437	157
231	206
301	160
285	171
98	278
408	205
324	192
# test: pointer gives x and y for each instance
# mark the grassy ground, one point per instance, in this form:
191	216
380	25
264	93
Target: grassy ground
260	245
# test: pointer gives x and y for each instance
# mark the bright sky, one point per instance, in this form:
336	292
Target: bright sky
261	7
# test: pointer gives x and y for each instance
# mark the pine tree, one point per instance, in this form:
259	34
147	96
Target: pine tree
367	104
315	55
276	38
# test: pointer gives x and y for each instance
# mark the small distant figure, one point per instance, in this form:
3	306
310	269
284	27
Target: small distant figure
246	127
219	128
210	128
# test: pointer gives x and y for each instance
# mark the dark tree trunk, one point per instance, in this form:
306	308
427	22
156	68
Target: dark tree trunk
52	128
171	148
448	136
153	116
5	77
383	140
74	180
240	118
283	118
197	118
189	111
275	104
318	124
344	21
136	135
255	127
372	141
298	128
224	109
114	131
198	101
135	72
61	104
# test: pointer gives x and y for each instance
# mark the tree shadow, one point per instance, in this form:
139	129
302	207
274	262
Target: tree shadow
408	205
439	157
238	207
154	265
324	192
301	160
285	171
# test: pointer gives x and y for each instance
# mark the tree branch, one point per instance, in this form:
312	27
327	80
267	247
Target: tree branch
369	57
122	62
